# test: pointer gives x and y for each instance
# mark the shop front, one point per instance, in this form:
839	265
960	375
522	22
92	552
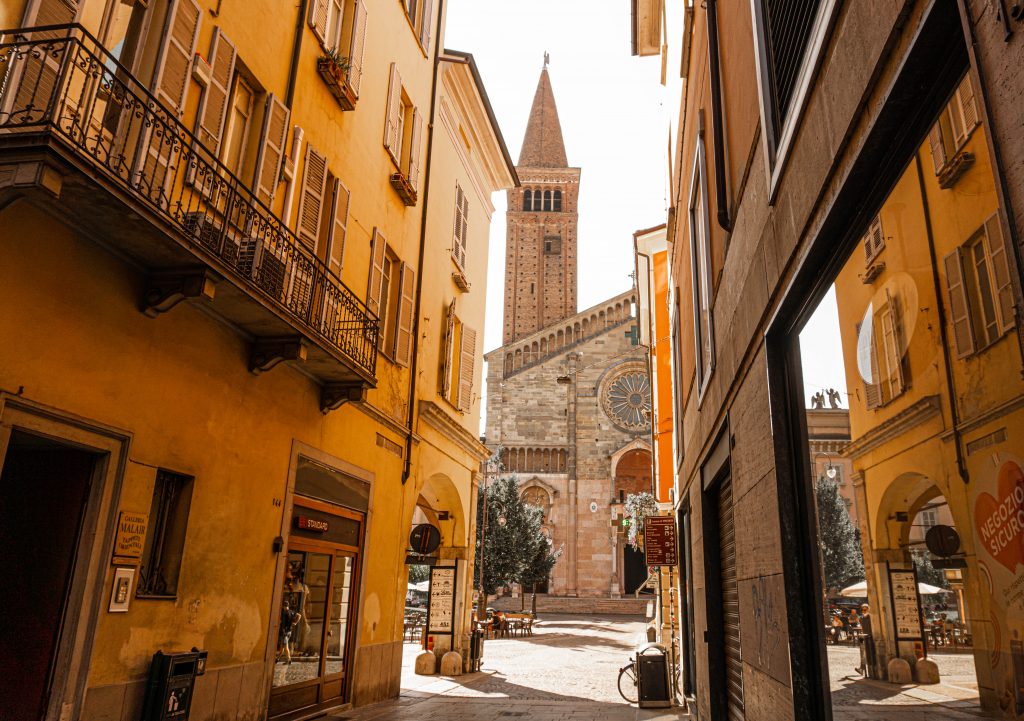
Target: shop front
316	610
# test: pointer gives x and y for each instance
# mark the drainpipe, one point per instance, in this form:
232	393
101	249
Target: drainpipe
716	116
293	67
414	363
954	411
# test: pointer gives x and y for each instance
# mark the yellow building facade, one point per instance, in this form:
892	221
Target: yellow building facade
933	366
224	307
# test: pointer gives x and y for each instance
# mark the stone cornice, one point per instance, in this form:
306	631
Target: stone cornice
908	418
978	420
384	419
436	416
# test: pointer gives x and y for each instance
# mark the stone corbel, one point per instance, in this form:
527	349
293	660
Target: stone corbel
30	174
268	352
166	290
334	395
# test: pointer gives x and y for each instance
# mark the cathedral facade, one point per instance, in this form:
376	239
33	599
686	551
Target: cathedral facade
568	392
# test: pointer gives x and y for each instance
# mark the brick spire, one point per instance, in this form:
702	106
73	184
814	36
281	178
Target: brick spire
543	146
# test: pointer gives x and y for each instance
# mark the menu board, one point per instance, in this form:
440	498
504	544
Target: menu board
441	611
905	604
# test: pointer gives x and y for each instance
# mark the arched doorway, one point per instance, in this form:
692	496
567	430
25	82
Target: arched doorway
633	474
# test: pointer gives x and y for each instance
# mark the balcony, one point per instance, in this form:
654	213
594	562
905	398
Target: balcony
86	140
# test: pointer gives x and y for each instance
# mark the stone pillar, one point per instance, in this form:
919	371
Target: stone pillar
571	541
616	589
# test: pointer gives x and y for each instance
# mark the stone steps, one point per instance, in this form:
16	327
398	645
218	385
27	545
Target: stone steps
564	604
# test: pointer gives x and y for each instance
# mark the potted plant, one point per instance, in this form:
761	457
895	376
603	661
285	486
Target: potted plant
335	63
638	507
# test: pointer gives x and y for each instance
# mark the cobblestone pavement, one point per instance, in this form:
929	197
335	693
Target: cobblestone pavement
566	671
857	699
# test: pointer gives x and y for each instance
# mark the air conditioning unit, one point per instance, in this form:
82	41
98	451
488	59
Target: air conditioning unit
263	265
203	229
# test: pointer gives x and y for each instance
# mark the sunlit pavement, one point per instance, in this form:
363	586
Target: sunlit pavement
857	699
566	671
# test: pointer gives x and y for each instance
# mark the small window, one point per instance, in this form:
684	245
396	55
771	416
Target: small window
391	295
557	206
461	227
874	240
165	538
954	126
527	199
458	375
552	244
547	201
419	12
239	125
402	130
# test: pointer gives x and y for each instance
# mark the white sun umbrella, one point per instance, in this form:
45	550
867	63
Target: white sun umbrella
423	586
860	590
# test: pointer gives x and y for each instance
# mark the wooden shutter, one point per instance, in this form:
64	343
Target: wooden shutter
340	199
357	47
271	152
171	80
449	352
425	26
466	369
378	250
318	19
874	241
1002	279
406	309
730	600
37	73
892	341
459	240
214	107
969	109
414	149
392	142
959	310
311	196
937	148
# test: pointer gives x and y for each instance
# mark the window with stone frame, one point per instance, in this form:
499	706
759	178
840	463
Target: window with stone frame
165	537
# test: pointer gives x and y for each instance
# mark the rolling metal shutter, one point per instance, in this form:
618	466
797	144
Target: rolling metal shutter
730	601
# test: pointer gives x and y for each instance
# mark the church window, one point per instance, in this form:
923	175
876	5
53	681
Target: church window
547	200
557	206
527	199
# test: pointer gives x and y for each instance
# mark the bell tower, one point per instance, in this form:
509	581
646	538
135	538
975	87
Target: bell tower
540	246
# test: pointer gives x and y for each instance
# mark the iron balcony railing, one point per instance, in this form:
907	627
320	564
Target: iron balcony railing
61	81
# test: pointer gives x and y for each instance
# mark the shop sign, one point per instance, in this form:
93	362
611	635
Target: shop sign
130	539
660	545
315	525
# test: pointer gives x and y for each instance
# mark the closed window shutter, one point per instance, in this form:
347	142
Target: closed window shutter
406	308
874	242
318	19
449	352
357	47
378	248
959	310
39	70
425	26
311	196
391	140
214	106
937	148
965	97
272	140
341	198
459	241
173	70
414	149
1003	284
466	369
893	340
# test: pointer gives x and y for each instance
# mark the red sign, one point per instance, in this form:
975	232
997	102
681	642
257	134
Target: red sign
311	524
660	545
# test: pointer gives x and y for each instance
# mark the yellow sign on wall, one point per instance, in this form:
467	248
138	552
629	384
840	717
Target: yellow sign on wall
131	537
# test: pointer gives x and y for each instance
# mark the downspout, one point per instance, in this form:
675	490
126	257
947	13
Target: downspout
293	67
414	362
954	410
717	130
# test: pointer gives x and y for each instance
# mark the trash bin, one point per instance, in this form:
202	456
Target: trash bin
652	677
476	650
172	678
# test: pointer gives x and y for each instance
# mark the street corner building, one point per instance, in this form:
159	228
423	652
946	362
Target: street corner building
858	165
568	392
244	257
